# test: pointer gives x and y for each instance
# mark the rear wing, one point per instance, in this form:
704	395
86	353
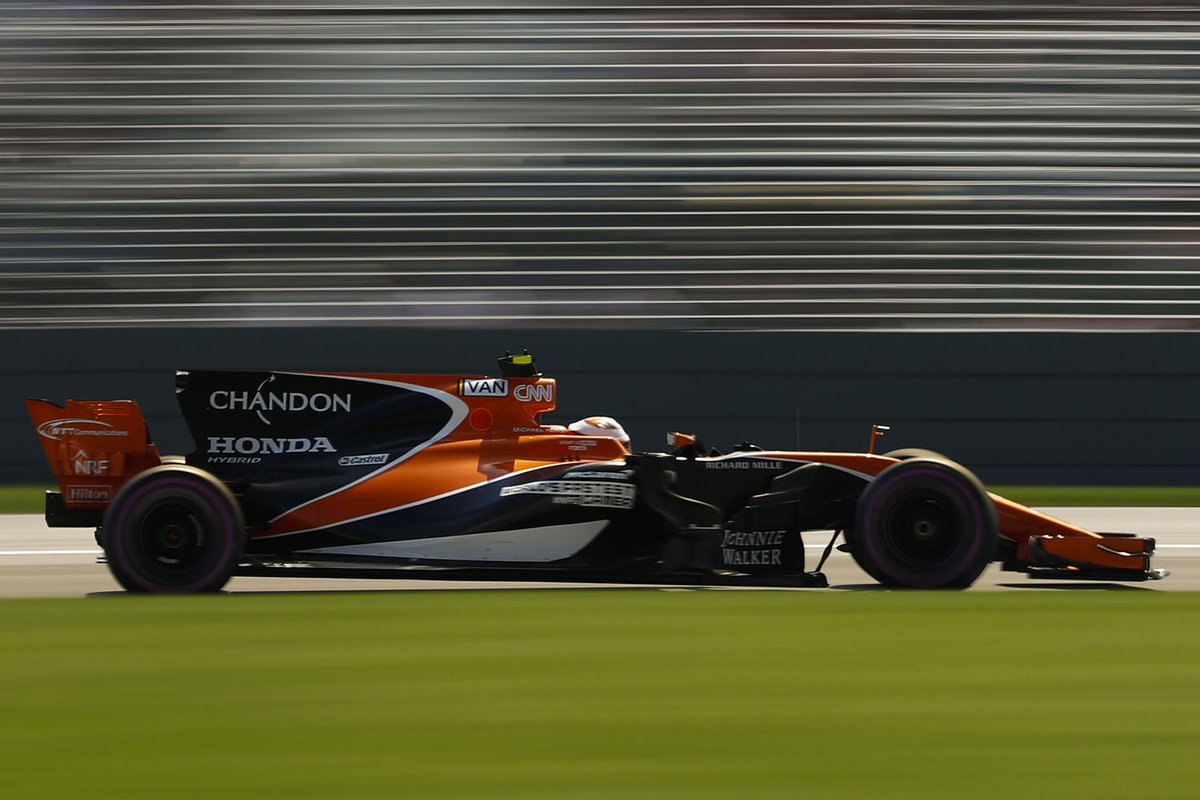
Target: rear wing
94	447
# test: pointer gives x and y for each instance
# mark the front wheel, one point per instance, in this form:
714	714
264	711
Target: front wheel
925	524
173	529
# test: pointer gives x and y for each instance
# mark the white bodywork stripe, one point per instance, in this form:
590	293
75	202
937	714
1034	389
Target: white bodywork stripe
531	545
458	412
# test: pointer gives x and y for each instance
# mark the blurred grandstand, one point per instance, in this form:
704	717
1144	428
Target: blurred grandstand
759	166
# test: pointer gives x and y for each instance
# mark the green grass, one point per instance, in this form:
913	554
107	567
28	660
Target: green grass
22	499
601	694
28	499
1101	495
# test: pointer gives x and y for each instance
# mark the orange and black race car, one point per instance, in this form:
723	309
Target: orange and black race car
304	473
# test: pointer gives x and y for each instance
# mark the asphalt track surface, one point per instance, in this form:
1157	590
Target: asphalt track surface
36	561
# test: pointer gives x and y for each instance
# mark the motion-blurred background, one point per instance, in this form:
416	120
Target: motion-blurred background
769	221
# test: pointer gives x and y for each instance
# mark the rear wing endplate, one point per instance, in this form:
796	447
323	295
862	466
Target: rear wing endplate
93	446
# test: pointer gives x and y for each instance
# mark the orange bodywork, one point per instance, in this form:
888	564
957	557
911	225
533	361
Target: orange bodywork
93	446
1017	522
496	436
439	470
1074	547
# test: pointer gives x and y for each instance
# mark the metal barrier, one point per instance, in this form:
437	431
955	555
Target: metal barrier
1070	408
949	166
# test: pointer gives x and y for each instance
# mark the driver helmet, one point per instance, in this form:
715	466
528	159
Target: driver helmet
600	426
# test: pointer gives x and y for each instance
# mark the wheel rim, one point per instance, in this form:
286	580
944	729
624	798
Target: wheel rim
171	538
924	530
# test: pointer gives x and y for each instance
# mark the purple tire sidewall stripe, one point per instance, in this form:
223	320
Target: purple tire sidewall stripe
958	483
116	549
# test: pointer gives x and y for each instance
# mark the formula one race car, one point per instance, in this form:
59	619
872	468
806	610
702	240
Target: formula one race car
456	476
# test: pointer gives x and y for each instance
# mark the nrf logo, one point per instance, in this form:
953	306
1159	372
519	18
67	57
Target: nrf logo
84	464
483	387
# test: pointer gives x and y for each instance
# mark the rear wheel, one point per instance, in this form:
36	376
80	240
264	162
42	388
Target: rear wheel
173	529
925	524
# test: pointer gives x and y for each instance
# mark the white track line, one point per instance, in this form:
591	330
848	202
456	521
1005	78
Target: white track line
91	552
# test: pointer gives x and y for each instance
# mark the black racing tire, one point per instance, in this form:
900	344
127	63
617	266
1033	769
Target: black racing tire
925	524
903	454
173	529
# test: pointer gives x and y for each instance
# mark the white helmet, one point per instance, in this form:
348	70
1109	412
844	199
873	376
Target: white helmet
600	426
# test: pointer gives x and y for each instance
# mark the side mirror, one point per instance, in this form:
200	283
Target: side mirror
677	440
